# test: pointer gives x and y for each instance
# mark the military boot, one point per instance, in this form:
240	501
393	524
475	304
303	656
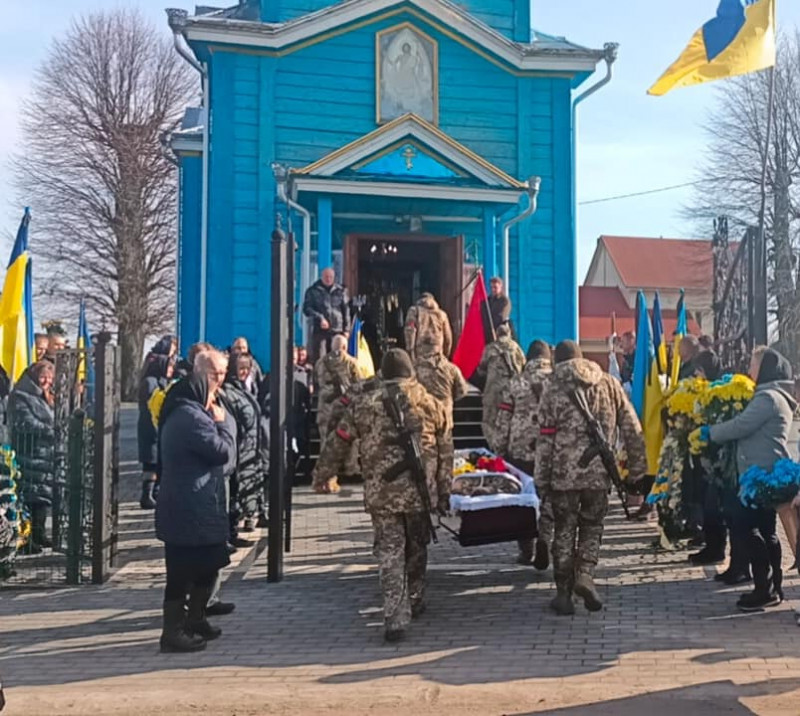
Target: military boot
197	622
562	603
585	589
174	636
542	559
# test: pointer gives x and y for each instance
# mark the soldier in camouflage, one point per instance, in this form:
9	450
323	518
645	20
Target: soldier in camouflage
517	429
335	373
393	500
427	329
501	361
579	489
442	380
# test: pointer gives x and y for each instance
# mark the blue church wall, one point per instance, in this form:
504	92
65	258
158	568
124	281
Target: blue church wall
299	107
188	258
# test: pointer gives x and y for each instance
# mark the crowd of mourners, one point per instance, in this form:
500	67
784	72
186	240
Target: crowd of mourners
203	438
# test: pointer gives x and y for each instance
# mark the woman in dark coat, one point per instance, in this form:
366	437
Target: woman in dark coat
157	372
191	515
248	484
32	421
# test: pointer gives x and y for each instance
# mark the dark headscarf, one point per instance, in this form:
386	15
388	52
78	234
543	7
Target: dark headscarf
164	346
193	388
156	366
774	367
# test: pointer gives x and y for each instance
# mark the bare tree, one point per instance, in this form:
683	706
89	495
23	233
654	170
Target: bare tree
101	184
731	174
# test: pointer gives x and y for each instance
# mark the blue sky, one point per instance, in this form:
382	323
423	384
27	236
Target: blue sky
628	141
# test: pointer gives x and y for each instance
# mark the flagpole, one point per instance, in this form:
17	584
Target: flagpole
761	320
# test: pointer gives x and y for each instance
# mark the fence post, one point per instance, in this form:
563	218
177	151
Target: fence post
103	529
75	490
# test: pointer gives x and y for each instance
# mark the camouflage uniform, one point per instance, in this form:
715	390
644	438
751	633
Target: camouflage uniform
401	531
501	361
335	373
518	428
580	494
427	330
443	381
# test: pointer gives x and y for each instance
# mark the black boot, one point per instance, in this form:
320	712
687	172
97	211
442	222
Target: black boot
148	499
174	636
542	559
197	622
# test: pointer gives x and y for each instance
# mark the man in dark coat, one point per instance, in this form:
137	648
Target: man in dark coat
326	304
499	304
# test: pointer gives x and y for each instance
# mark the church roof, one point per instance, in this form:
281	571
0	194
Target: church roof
236	25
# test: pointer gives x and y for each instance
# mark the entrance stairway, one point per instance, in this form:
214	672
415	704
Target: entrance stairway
467	433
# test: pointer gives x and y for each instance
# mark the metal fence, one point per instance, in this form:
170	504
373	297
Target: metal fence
72	465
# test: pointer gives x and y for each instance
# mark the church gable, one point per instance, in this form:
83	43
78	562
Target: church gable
410	149
514	52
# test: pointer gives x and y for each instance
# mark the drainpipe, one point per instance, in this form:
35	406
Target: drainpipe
282	181
534	184
610	50
177	23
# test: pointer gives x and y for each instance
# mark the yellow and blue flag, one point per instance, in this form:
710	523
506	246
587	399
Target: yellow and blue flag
659	340
84	343
646	393
681	330
16	307
739	40
359	349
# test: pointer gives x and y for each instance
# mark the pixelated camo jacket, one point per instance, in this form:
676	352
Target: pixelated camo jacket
366	420
564	434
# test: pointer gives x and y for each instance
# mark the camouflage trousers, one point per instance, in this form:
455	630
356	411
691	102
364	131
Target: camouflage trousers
545	525
578	516
401	548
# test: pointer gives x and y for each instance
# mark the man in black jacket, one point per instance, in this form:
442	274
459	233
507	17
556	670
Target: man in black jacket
499	304
326	303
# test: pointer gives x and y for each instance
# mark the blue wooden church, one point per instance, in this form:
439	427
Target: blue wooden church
403	138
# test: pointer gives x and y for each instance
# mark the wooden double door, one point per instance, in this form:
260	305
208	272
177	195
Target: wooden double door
390	271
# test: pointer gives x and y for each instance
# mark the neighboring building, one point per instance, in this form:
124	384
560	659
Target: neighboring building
664	265
411	129
605	311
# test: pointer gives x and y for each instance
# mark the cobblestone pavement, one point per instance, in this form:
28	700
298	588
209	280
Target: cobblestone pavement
668	641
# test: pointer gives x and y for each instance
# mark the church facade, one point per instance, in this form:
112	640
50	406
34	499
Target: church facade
400	137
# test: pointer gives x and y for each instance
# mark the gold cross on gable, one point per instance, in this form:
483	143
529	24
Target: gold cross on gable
409	154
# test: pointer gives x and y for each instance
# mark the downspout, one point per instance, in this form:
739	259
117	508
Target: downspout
610	56
534	184
177	23
282	181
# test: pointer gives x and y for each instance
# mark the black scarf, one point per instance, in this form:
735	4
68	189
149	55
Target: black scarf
193	388
774	367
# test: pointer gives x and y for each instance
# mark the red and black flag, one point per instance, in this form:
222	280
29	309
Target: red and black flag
478	331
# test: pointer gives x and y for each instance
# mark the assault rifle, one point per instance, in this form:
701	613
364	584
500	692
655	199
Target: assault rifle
599	447
409	442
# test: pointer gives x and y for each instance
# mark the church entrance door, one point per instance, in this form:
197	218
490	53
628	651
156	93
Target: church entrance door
386	273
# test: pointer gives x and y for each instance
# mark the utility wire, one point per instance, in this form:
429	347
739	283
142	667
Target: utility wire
644	193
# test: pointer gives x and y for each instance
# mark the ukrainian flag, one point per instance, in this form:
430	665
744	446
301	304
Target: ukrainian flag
659	341
359	349
84	343
739	40
16	307
680	331
646	393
